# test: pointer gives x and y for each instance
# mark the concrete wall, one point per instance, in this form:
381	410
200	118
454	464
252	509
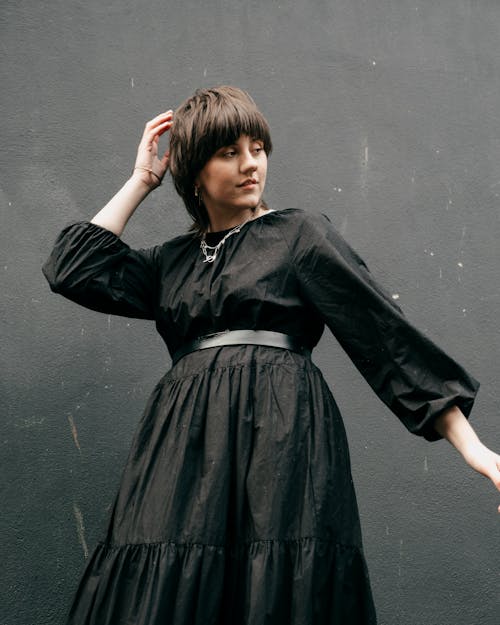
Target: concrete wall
385	115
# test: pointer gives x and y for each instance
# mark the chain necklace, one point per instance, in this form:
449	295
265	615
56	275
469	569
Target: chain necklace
210	251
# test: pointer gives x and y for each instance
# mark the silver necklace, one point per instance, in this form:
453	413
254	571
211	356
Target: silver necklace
210	251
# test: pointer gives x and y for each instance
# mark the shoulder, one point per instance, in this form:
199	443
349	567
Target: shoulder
305	229
180	241
176	250
300	220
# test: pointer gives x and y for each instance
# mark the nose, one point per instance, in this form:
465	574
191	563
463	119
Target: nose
248	161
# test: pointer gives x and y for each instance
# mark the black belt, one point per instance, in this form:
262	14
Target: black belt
243	337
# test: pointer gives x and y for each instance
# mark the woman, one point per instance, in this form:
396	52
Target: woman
236	505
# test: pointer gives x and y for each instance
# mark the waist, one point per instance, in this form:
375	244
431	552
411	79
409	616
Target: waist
243	337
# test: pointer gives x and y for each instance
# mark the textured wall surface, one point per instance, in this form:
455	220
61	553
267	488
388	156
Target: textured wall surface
384	116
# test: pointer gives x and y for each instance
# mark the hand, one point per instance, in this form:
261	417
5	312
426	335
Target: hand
484	461
148	166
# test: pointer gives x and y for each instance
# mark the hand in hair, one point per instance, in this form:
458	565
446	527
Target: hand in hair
148	173
148	166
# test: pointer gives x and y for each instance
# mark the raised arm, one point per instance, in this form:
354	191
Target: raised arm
148	173
90	264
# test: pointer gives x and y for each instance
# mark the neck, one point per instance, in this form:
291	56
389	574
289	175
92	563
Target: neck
222	220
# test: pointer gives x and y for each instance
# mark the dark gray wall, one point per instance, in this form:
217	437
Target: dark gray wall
385	116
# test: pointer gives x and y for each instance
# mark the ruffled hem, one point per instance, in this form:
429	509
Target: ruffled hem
305	581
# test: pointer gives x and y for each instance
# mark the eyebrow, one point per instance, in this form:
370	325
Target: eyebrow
235	143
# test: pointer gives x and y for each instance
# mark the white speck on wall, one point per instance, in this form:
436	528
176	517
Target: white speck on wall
440	273
464	312
395	296
80	530
426	466
205	72
374	63
460	264
132	83
109	322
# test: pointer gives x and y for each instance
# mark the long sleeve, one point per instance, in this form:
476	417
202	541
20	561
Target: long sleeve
408	372
93	267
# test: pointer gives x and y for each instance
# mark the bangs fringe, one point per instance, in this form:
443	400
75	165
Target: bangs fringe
221	121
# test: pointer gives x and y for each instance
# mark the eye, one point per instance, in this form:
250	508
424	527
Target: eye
229	153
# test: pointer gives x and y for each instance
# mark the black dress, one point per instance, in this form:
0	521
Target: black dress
236	506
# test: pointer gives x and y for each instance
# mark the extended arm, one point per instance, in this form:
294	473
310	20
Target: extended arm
453	426
148	172
425	387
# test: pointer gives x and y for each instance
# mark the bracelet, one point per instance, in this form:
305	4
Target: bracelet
148	169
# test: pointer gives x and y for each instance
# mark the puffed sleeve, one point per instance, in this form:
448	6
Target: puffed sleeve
92	266
409	373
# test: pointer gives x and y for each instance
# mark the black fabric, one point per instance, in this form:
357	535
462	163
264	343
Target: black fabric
236	504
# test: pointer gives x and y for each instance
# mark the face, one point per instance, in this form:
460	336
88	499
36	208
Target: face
234	177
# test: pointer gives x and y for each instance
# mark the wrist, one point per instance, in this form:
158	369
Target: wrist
453	426
147	176
470	448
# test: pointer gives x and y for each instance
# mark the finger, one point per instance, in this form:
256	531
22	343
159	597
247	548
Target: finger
159	119
150	133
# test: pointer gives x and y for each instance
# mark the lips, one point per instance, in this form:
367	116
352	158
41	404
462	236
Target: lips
248	182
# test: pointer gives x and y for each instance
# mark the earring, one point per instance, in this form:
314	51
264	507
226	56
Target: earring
197	194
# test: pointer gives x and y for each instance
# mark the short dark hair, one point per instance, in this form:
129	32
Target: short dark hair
202	124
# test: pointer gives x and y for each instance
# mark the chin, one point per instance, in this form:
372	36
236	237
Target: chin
253	204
